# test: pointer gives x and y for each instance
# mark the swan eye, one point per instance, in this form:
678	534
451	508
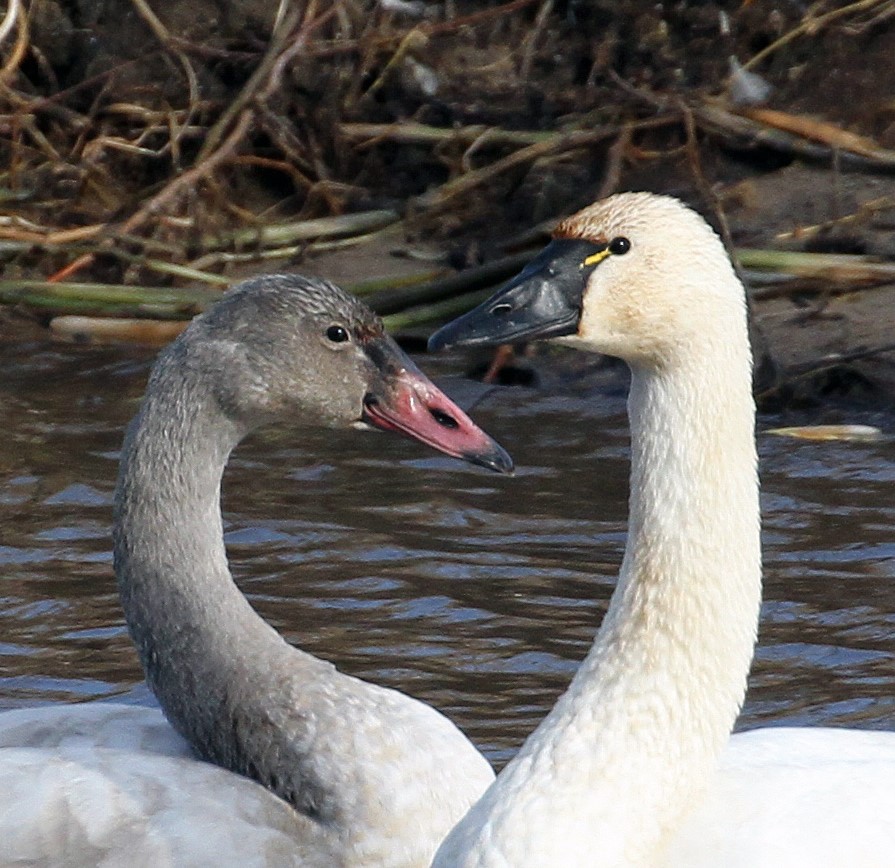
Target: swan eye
619	246
337	334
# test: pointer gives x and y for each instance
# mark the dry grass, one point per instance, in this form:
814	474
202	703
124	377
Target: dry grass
317	123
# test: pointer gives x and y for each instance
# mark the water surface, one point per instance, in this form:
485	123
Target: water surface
477	593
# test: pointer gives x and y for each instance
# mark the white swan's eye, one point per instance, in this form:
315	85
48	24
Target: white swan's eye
337	334
619	246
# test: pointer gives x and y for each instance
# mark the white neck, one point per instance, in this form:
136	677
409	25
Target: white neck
643	722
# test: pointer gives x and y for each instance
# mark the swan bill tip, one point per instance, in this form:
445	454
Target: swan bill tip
496	459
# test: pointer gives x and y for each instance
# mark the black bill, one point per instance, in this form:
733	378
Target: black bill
543	301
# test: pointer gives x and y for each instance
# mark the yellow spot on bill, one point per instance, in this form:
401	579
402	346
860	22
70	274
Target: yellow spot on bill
594	259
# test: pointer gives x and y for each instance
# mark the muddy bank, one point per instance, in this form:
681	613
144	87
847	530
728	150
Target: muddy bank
141	136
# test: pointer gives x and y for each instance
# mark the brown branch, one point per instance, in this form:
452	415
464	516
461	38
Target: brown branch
255	85
811	26
263	83
161	33
554	144
477	17
615	158
20	47
752	133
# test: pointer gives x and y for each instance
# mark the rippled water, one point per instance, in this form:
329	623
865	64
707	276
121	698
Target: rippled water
476	593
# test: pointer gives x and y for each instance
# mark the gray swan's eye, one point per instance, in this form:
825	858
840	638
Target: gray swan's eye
337	334
619	246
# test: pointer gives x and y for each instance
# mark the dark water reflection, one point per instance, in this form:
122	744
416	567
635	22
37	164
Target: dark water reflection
477	593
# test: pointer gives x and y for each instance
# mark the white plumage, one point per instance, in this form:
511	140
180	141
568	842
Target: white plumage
635	766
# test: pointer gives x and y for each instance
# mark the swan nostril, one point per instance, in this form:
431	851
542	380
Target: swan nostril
501	309
443	419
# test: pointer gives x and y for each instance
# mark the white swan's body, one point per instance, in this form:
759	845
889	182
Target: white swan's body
635	765
794	798
356	774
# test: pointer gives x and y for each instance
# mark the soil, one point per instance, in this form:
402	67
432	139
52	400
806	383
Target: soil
81	135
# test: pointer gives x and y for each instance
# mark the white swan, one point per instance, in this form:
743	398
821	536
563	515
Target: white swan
635	765
363	775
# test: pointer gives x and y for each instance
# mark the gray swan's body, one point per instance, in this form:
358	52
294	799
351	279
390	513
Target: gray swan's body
635	766
363	775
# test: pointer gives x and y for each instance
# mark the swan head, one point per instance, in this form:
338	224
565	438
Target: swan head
637	276
284	347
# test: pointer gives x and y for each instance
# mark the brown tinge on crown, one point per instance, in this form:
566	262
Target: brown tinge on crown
577	226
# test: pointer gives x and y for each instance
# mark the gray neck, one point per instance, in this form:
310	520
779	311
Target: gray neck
207	655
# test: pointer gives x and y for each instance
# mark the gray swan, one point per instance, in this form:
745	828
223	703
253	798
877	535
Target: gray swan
352	773
635	766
